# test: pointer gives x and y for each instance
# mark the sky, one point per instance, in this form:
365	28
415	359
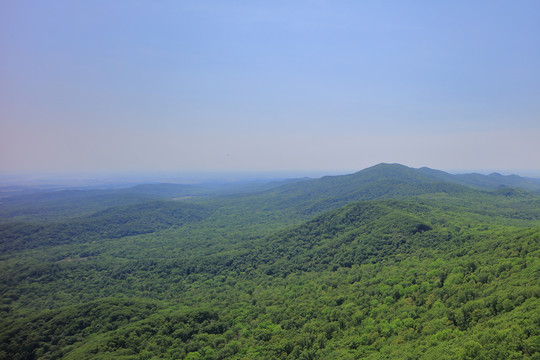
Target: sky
153	86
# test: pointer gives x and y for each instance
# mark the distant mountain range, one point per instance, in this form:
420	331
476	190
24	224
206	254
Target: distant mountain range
308	196
491	181
382	181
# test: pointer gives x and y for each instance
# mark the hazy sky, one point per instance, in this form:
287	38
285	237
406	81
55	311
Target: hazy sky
268	85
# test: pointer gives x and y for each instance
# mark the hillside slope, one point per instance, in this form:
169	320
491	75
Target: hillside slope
391	279
112	223
311	197
418	273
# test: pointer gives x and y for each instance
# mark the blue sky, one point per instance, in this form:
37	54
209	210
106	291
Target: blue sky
268	85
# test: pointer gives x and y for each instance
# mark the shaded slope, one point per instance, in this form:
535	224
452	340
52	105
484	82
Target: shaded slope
59	205
112	223
75	323
369	232
55	205
355	234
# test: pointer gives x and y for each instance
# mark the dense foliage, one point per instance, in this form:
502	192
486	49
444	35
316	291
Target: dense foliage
113	223
447	272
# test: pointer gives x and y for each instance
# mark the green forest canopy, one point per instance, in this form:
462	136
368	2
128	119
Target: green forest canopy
389	262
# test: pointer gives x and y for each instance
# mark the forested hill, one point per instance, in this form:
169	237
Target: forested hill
112	223
395	180
491	181
384	181
387	263
307	196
